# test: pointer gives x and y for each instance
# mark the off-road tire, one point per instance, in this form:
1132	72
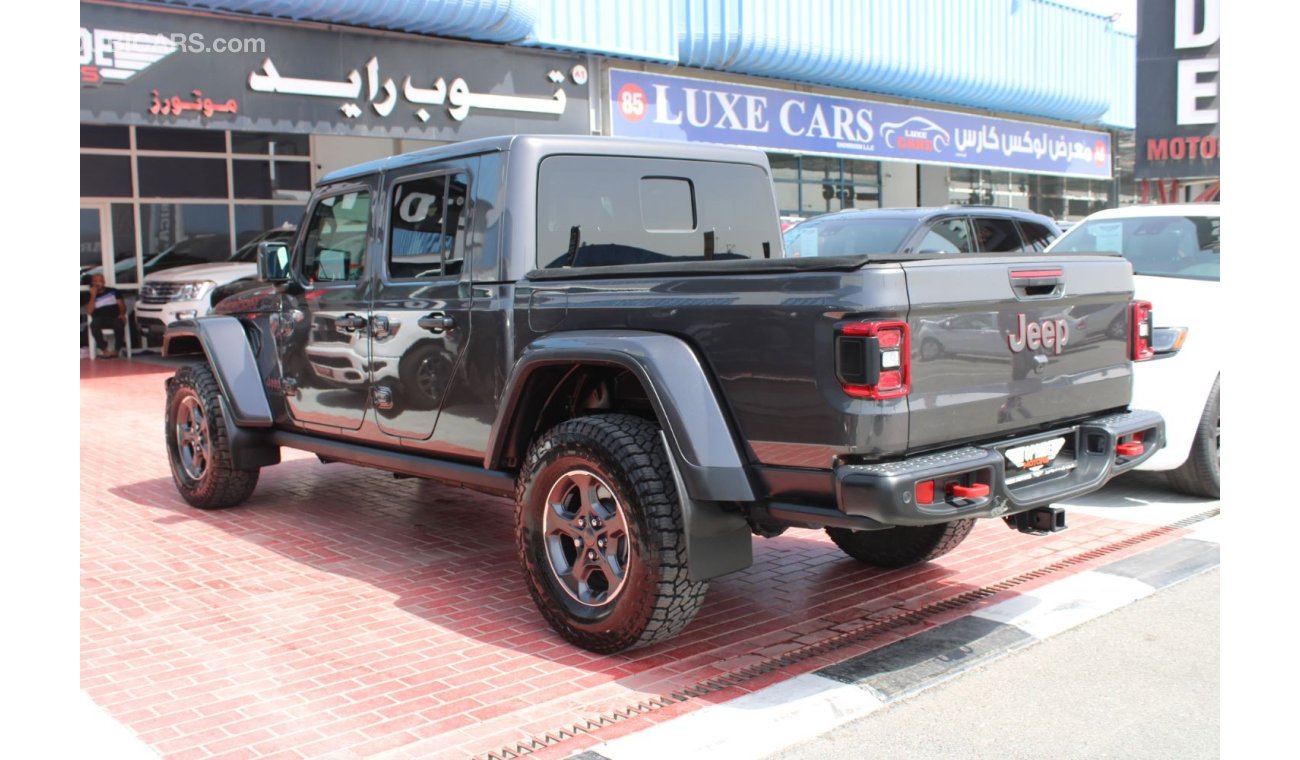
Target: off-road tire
216	484
655	598
903	545
1199	475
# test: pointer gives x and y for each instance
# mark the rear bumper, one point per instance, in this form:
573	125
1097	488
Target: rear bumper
887	493
883	495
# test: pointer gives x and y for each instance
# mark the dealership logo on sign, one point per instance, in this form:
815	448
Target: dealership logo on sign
108	55
917	133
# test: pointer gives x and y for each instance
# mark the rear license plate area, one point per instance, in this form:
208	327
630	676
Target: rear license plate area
1049	457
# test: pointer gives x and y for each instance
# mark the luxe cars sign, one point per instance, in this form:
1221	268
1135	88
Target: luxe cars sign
699	110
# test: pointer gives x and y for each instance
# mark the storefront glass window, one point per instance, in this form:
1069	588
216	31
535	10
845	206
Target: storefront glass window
262	142
176	234
784	166
811	185
175	177
105	176
124	243
1057	197
250	221
272	179
100	136
787	197
184	140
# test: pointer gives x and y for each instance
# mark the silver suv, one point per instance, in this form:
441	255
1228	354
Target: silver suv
947	229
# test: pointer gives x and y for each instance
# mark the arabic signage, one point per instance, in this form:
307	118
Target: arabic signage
698	110
1177	131
143	67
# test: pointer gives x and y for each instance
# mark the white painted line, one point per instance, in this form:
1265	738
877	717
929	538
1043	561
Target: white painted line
1066	603
754	725
102	736
1208	530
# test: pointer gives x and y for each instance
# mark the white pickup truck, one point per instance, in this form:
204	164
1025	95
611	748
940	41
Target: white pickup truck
1174	250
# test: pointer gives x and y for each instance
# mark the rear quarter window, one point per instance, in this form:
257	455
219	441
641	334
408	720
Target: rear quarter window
946	236
1037	236
997	235
615	210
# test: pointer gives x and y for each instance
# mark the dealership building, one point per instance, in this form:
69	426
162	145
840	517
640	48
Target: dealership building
204	124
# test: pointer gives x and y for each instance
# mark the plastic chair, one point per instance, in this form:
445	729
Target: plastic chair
126	339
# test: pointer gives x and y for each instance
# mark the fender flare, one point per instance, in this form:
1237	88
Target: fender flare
707	466
677	386
226	346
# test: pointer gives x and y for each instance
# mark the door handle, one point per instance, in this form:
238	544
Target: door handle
350	322
436	322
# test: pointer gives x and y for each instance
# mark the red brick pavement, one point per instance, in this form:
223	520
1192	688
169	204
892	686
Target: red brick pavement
344	613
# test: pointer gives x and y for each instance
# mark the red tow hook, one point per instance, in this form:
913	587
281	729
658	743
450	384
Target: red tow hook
1131	449
974	491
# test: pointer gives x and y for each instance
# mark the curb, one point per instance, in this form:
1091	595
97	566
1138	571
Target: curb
809	705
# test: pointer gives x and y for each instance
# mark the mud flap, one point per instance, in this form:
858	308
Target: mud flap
718	541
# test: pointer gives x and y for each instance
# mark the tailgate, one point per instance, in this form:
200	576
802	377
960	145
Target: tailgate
1004	345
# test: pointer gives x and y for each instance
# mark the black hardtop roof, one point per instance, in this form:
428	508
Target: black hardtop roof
556	144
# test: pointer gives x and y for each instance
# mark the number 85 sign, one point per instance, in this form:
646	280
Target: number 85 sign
632	102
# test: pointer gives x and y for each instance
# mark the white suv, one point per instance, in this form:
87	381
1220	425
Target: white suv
1174	250
185	292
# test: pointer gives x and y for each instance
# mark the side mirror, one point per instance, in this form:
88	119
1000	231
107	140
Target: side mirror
272	261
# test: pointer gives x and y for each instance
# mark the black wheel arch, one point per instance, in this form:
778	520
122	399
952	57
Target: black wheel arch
223	343
656	377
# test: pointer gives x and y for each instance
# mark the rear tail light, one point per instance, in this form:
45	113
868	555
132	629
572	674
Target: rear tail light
1142	324
872	359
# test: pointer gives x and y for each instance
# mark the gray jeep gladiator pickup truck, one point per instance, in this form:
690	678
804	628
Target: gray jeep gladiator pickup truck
608	332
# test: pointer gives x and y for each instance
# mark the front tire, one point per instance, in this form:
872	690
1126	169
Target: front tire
903	545
198	443
1199	475
600	534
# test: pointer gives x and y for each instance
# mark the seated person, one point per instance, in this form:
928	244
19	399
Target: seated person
107	310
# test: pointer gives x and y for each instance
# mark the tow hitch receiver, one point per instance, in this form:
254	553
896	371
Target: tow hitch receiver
1039	521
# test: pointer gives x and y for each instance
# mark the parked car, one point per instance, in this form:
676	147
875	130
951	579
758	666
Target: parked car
1174	251
196	249
184	292
947	229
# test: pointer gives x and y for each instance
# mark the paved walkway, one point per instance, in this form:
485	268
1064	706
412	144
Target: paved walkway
344	613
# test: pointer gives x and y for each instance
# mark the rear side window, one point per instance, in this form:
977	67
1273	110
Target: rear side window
1037	236
427	227
614	210
946	236
841	236
996	235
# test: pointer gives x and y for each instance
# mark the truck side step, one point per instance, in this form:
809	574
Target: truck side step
1039	521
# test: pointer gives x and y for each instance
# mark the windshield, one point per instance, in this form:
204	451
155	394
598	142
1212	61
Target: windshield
1186	247
847	236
